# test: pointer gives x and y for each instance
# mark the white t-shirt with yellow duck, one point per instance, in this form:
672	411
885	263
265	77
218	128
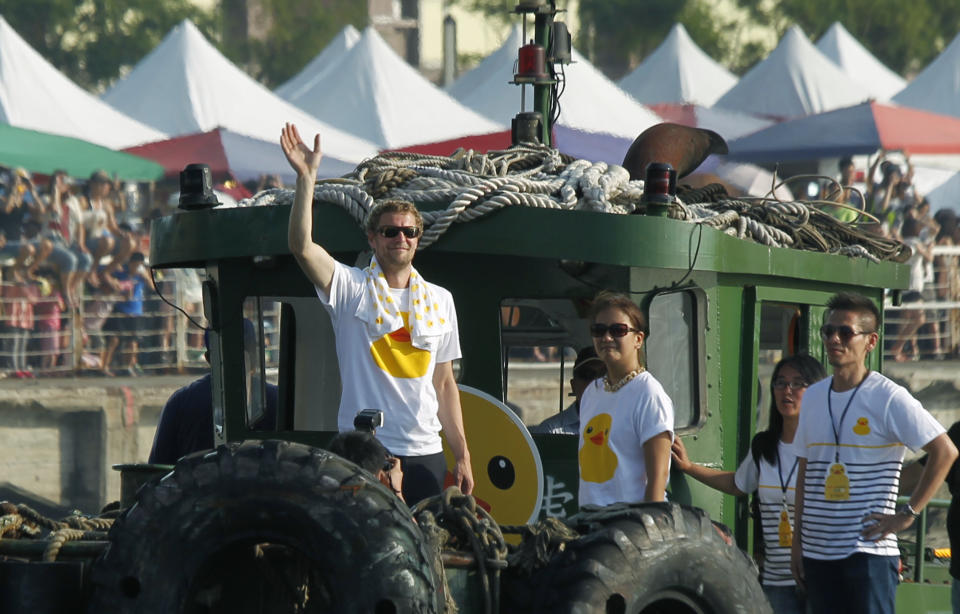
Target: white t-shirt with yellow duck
613	428
874	424
386	362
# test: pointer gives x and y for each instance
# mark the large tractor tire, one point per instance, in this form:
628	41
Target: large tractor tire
649	558
265	527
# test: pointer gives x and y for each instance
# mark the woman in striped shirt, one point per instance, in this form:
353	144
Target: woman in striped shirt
770	469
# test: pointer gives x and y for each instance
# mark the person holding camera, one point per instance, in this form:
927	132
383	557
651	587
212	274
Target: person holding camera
396	333
363	449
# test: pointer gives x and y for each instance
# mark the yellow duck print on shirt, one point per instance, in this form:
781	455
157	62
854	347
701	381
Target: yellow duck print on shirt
837	484
597	461
395	354
862	427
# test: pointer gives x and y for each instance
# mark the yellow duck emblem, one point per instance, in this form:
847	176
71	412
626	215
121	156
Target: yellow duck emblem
597	461
862	427
837	484
395	354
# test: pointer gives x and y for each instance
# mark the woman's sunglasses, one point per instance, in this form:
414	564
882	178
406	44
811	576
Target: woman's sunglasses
846	333
615	330
410	232
797	384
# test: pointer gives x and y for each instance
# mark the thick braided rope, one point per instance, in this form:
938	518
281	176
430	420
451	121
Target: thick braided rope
61	536
476	185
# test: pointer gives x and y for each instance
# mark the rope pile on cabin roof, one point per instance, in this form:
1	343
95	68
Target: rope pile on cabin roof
478	184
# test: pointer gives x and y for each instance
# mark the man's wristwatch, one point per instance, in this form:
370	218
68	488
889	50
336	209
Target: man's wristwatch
906	510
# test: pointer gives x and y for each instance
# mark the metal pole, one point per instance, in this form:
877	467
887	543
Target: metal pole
542	93
449	50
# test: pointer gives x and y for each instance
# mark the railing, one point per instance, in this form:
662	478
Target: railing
919	554
38	338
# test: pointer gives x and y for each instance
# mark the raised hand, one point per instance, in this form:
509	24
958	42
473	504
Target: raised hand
302	159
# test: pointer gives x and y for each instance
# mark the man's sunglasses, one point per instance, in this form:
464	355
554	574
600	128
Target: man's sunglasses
410	232
846	333
615	330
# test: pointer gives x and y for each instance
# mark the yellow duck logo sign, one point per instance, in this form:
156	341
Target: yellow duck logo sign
862	427
598	462
507	472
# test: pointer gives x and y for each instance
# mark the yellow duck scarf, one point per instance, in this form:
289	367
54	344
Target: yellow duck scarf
381	313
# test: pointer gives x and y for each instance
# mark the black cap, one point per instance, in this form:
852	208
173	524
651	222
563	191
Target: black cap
586	357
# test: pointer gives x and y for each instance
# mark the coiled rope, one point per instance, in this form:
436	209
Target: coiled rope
22	521
468	527
476	185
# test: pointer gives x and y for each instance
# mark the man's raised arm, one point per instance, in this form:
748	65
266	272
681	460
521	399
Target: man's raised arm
316	262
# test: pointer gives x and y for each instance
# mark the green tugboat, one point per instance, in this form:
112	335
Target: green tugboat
270	522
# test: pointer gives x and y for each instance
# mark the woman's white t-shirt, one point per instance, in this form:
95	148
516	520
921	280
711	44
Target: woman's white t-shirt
613	428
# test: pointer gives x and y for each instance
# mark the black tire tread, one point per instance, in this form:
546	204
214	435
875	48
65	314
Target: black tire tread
637	550
274	491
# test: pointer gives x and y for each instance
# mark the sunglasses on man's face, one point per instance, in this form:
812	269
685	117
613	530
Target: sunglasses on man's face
615	330
410	232
846	333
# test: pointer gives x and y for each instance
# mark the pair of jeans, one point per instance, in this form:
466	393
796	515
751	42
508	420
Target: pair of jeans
859	584
785	599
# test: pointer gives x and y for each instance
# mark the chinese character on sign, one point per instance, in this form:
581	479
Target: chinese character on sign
555	497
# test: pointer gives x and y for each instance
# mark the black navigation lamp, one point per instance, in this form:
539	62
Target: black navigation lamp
659	188
196	188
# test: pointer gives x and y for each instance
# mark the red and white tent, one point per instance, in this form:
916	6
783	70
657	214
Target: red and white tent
185	86
374	93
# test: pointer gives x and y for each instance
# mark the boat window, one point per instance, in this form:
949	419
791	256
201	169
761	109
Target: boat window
672	353
540	340
290	356
541	337
779	337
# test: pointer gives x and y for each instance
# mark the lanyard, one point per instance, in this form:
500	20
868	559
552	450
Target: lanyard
784	483
836	426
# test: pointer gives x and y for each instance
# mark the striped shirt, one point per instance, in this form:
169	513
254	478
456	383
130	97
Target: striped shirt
874	423
767	482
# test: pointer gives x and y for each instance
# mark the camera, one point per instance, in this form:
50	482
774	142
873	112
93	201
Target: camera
368	420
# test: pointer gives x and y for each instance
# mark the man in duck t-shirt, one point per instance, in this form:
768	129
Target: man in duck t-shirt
396	334
853	432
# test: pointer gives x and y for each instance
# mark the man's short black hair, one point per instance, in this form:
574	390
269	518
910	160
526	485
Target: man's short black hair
361	448
845	162
850	301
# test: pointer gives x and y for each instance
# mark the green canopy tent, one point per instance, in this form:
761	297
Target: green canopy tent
43	153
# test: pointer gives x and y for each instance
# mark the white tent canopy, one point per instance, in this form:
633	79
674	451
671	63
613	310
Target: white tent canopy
35	95
372	92
186	86
678	71
793	81
590	102
878	81
937	87
314	72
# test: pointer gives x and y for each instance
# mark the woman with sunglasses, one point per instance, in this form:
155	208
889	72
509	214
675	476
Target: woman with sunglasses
626	418
770	469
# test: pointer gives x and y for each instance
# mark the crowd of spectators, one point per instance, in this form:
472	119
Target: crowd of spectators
76	292
899	211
